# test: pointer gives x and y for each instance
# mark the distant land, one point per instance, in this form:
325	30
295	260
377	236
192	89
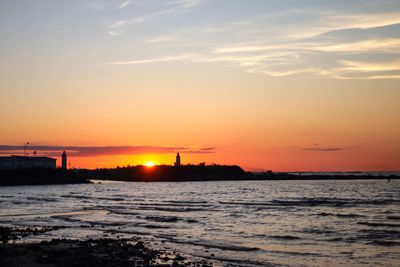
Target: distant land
167	173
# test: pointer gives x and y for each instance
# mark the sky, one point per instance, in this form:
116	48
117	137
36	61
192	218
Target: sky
301	85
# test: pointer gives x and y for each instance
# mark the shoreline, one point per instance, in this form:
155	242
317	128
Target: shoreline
297	178
99	180
90	252
166	173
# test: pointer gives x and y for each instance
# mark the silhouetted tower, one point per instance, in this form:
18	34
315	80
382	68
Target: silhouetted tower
178	160
64	160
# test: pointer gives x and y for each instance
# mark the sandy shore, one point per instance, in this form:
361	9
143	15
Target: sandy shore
92	252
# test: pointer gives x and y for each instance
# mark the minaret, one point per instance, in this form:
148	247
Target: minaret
64	160
178	160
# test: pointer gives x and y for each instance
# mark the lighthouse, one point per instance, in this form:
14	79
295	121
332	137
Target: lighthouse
178	160
64	160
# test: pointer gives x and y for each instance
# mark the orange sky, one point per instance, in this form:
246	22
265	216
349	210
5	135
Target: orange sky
287	129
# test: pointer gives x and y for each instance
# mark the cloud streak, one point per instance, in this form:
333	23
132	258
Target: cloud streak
93	151
318	148
327	149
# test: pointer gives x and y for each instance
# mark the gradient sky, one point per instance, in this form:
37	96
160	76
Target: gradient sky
282	85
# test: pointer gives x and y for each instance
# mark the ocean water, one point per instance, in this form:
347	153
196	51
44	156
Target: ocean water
241	223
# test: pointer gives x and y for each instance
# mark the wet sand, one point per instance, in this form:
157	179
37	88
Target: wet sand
91	252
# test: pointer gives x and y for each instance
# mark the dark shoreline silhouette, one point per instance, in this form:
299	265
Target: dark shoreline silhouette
161	173
40	177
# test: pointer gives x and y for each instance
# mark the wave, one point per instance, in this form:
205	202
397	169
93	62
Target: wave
168	219
186	201
317	231
44	199
285	237
123	212
239	262
246	203
208	244
385	243
312	202
340	215
394	218
295	253
379	224
66	219
334	202
334	239
77	196
154	226
90	197
369	236
105	223
172	204
184	209
380	233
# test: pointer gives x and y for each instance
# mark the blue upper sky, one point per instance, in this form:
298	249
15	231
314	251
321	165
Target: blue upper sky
333	39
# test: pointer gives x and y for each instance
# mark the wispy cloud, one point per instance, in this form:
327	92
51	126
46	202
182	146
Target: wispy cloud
161	39
118	24
93	151
370	67
150	60
185	3
172	7
330	21
376	45
386	76
124	4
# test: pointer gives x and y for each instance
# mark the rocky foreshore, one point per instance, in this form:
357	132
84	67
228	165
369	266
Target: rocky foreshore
91	252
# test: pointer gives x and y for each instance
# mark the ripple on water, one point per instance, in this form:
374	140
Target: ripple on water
42	199
385	243
380	224
394	218
167	219
210	244
285	237
341	215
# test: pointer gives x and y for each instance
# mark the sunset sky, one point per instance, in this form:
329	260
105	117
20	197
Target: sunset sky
282	85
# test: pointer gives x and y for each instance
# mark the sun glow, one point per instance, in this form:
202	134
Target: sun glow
149	164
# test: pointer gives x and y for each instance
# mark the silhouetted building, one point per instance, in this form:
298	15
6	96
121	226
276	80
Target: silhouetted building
178	160
22	162
64	161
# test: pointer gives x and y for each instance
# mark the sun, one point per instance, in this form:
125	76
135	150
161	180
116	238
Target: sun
149	164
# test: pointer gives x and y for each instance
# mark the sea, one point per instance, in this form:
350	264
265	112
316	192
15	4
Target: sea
229	223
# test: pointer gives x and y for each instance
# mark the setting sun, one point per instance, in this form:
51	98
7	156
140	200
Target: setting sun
149	164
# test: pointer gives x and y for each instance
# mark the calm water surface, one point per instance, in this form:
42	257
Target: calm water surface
249	223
